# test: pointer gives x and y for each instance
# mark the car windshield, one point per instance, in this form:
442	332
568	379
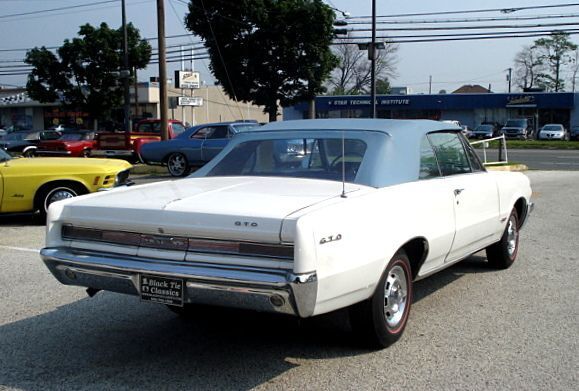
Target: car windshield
4	156
552	127
484	128
319	158
516	123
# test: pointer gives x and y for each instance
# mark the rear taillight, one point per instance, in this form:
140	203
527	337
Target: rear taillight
179	243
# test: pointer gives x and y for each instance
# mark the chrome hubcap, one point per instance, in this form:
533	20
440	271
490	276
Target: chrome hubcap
177	164
395	296
57	195
512	236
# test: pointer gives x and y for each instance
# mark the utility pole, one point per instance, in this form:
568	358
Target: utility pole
430	85
136	85
126	73
509	77
163	107
372	50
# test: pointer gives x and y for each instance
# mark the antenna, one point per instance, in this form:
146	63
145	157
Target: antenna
343	195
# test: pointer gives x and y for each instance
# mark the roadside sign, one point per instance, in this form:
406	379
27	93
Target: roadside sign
186	79
190	101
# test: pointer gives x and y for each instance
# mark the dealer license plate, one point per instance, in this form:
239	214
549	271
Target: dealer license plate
161	290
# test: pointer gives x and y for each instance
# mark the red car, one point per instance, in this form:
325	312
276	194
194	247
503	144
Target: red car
77	143
128	146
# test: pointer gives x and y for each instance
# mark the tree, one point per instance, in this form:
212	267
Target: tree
554	52
528	67
383	86
353	74
84	73
266	51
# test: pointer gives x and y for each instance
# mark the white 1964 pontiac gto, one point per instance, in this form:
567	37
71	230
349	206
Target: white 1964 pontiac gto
301	218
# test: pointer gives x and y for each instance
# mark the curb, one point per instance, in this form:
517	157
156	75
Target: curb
512	167
143	169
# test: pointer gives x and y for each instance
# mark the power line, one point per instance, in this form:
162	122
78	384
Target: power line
69	7
503	10
171	59
469	20
517	26
460	38
483	33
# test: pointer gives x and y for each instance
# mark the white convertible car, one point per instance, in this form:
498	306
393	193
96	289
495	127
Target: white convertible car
301	218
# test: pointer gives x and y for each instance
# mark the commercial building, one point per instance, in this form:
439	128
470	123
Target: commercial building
210	104
469	109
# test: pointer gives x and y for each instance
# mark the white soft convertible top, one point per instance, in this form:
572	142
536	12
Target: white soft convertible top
394	146
417	127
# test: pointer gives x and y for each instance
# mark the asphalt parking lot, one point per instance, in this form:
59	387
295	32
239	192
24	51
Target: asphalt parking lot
470	327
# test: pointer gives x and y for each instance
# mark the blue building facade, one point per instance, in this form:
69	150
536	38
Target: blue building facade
469	109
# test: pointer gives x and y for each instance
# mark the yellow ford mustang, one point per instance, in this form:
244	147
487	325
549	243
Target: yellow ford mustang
28	185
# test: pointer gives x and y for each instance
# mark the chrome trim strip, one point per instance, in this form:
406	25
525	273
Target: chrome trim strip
244	287
187	245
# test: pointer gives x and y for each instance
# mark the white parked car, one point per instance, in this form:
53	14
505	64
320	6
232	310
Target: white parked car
553	132
465	129
367	208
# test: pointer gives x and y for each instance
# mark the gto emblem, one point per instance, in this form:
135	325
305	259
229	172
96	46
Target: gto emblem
246	223
330	238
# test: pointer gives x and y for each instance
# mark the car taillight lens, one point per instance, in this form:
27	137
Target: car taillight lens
179	243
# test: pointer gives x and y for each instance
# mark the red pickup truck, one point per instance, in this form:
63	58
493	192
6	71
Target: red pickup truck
128	146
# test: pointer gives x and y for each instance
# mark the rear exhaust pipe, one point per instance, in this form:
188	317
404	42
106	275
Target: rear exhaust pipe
92	291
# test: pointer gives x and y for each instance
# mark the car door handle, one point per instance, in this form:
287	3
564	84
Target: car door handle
458	191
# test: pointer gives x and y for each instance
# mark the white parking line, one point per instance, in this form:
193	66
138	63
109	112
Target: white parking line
28	250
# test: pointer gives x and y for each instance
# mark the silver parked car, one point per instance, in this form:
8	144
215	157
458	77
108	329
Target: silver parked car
553	132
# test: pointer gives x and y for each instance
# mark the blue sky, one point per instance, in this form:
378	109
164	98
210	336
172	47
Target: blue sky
451	64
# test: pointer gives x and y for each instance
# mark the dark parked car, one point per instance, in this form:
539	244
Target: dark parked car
519	128
484	131
193	148
574	133
25	142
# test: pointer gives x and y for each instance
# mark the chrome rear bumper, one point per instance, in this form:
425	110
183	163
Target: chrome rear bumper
268	290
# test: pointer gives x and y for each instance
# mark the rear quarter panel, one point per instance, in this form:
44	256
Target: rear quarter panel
511	187
371	227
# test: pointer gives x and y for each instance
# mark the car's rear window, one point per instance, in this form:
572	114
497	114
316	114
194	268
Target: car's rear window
71	137
241	128
319	158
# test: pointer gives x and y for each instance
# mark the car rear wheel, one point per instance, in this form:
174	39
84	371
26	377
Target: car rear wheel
380	320
502	254
178	165
29	152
